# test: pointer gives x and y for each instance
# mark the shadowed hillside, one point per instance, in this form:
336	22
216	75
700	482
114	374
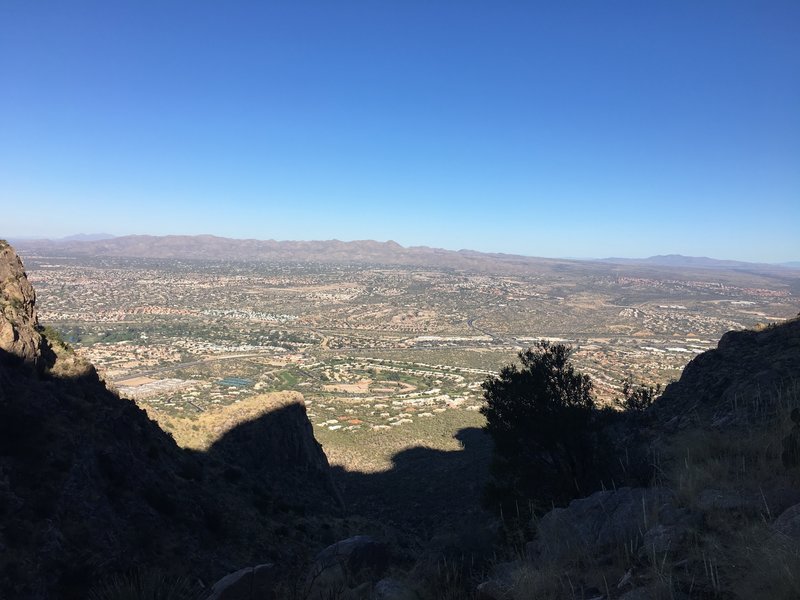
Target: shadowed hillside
733	383
89	485
425	489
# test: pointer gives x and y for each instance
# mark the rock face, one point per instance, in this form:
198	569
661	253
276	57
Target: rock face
734	382
346	562
788	523
250	583
18	324
610	519
392	589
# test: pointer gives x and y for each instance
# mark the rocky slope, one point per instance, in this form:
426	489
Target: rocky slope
721	516
91	487
738	381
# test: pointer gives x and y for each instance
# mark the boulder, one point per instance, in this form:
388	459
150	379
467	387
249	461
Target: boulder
500	584
493	590
645	593
661	539
250	583
671	531
392	589
788	523
602	521
345	563
361	592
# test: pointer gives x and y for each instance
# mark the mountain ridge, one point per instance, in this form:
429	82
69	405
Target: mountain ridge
702	262
212	247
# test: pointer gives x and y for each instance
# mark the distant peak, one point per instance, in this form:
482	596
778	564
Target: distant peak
87	237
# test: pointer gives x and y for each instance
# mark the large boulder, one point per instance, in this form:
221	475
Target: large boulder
603	521
250	583
392	589
788	524
345	564
494	590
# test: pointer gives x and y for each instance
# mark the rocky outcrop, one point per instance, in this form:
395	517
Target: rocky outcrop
345	564
788	524
607	520
739	382
272	439
91	488
250	583
393	589
19	335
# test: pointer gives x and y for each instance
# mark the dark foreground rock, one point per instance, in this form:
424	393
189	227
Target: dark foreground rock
91	489
346	564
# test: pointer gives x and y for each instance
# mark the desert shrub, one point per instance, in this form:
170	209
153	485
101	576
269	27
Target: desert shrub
548	440
637	398
54	336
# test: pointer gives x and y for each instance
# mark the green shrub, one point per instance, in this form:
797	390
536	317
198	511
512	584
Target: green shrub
547	437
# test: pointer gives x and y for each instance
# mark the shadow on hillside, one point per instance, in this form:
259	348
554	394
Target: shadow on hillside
279	451
274	454
426	489
91	471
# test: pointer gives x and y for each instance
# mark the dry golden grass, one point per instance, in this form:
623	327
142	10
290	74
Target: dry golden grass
201	431
742	556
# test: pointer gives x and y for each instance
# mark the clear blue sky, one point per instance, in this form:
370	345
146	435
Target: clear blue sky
542	128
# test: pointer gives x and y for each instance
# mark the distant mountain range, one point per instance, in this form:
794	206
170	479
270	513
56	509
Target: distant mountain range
695	262
209	247
87	237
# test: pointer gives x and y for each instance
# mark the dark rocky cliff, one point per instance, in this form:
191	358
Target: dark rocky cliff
739	380
90	486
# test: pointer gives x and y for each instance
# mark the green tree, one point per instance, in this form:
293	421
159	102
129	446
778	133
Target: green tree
542	420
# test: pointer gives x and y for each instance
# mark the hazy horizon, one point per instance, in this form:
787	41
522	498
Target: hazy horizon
585	130
90	237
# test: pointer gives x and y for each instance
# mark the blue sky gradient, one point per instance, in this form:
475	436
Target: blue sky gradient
551	129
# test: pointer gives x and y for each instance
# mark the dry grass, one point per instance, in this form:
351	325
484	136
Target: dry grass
742	460
542	581
770	565
201	431
146	584
731	481
729	477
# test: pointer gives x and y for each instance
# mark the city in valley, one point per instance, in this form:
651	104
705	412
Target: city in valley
386	356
